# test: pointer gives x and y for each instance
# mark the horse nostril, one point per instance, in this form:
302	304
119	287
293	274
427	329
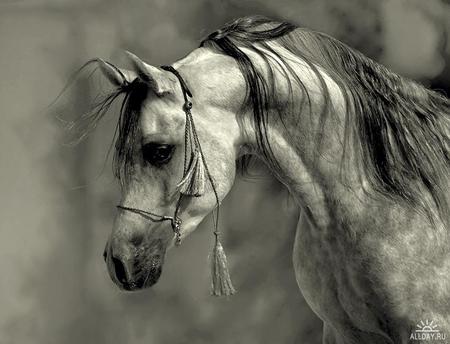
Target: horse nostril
120	270
137	239
105	254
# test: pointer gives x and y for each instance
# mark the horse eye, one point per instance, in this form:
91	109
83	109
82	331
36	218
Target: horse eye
157	154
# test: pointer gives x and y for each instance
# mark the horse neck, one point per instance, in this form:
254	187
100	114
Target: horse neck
315	179
311	178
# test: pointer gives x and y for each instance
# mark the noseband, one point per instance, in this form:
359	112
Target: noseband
175	221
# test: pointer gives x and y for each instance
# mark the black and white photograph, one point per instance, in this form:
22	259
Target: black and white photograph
225	172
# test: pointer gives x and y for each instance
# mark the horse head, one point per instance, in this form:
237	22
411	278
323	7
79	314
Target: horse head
176	163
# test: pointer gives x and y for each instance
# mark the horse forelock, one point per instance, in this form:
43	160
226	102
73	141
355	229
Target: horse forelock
126	132
399	129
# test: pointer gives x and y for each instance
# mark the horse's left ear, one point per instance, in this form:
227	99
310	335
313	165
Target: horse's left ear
116	76
160	81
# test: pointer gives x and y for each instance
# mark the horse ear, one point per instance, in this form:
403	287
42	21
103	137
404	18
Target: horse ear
160	82
116	76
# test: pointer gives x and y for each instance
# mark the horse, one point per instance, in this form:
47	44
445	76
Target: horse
363	151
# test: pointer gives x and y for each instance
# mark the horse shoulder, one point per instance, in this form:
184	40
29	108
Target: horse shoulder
406	259
327	282
381	278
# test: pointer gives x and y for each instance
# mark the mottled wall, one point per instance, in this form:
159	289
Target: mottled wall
56	211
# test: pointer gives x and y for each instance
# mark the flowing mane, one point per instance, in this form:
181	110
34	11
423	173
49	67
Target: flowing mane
399	128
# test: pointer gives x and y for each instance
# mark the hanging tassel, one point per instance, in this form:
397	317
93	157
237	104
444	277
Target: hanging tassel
221	281
194	181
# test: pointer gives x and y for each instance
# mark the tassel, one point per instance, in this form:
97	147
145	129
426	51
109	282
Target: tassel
194	181
221	281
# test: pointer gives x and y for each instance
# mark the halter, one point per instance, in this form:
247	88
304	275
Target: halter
191	139
175	221
195	176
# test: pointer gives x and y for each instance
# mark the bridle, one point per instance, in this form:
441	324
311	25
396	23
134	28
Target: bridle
195	178
191	139
175	221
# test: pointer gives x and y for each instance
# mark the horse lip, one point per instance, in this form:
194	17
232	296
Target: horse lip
129	286
148	280
153	276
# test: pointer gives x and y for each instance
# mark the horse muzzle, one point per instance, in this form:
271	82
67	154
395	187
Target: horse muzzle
136	271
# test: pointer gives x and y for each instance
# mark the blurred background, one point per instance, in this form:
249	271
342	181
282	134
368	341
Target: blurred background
58	201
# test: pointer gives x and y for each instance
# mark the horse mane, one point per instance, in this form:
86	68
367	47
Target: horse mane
399	129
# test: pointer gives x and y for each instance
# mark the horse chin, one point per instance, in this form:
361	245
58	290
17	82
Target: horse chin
148	278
